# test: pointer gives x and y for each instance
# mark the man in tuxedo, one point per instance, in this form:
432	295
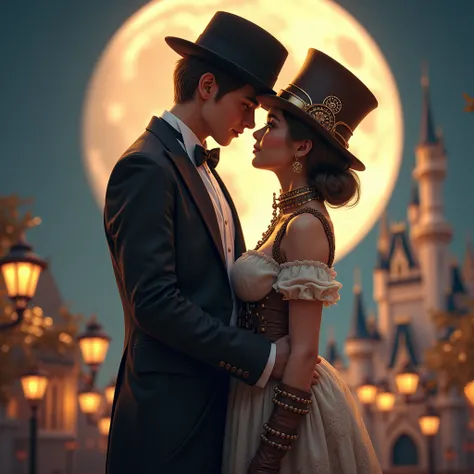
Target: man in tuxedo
173	234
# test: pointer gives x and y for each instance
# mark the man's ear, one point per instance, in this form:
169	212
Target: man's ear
207	86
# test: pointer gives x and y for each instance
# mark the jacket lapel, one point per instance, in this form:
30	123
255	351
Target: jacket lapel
239	235
191	177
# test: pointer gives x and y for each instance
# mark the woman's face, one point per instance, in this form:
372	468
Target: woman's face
273	150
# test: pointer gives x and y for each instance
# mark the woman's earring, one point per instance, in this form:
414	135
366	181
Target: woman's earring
297	166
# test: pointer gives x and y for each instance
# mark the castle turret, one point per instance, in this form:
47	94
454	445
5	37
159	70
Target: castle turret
381	274
431	234
360	342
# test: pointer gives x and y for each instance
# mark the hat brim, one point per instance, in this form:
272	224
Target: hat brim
267	102
188	48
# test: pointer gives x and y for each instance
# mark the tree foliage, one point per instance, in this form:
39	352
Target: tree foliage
453	355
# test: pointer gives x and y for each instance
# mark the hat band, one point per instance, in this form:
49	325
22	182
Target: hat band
324	114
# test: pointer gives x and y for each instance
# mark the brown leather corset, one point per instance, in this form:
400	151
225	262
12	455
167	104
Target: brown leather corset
269	316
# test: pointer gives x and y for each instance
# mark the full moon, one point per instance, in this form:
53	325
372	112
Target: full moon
133	81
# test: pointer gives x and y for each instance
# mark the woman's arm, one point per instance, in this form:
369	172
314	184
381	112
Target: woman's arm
304	243
305	240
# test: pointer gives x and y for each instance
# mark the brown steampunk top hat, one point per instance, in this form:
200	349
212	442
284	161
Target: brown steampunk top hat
240	47
329	98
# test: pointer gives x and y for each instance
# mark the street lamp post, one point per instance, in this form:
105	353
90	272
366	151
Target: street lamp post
94	343
21	270
34	385
429	425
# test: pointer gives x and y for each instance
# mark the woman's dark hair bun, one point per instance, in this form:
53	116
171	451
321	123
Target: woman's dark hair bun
327	170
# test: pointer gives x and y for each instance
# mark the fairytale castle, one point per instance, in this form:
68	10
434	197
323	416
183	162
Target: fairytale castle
415	274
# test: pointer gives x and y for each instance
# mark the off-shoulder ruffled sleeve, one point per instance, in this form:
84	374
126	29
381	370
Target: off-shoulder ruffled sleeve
308	280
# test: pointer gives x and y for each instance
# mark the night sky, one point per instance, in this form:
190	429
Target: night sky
48	53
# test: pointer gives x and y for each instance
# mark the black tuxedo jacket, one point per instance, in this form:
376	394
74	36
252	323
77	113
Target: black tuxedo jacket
169	264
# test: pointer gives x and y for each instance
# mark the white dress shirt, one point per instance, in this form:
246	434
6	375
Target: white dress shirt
223	214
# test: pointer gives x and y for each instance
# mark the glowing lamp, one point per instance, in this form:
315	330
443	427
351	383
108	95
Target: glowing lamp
407	380
385	401
367	392
21	270
34	385
429	423
90	401
94	344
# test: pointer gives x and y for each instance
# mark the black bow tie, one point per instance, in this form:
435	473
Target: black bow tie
201	155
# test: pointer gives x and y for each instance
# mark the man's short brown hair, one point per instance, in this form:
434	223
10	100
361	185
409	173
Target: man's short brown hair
189	71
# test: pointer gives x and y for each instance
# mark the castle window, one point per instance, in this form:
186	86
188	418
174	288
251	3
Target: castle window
404	452
399	267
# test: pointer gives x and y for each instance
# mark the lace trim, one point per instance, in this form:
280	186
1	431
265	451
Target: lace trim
265	257
294	263
310	263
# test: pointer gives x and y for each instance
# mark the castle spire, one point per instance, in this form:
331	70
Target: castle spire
359	328
332	353
430	231
357	281
428	134
372	325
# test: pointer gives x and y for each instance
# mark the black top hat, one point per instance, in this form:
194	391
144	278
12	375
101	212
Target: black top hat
240	47
329	98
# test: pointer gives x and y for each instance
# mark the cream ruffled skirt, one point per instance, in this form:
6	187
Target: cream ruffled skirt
332	437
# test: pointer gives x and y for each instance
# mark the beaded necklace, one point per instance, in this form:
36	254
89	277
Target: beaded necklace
289	200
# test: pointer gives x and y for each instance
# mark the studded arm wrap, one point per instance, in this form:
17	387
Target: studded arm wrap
281	430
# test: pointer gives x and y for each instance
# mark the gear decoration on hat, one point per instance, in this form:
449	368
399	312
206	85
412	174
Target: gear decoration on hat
325	113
